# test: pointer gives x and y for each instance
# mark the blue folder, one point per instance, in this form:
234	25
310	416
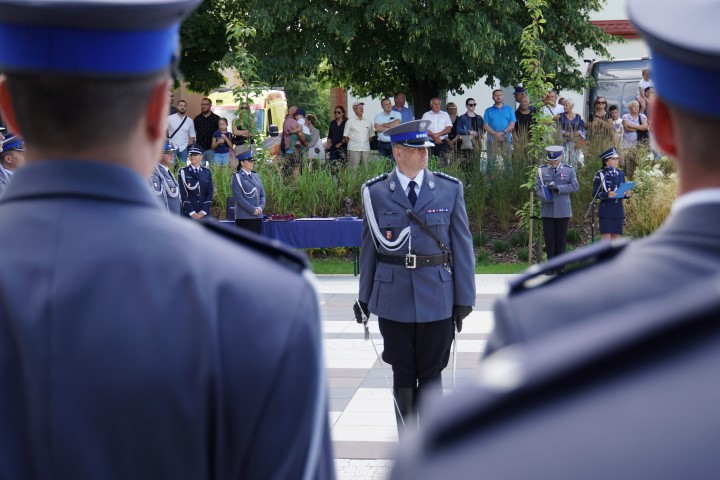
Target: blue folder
624	187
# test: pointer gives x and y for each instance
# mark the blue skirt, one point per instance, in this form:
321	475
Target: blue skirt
611	225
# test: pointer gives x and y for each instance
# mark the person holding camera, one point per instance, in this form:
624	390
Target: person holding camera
554	183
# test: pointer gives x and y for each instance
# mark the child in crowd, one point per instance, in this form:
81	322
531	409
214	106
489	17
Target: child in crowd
295	138
222	141
617	125
643	85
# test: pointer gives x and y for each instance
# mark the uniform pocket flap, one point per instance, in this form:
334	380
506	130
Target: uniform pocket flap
445	275
390	219
383	275
437	218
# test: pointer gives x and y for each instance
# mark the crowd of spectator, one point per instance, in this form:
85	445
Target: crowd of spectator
350	139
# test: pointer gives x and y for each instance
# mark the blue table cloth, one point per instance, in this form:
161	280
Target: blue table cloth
318	233
314	233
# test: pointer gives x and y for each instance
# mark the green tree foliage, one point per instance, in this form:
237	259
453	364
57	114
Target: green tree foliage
425	48
205	43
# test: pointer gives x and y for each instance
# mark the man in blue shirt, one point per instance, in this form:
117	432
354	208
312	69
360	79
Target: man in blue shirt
499	122
383	121
407	114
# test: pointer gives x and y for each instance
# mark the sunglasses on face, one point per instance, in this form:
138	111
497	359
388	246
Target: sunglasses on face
338	113
602	103
471	104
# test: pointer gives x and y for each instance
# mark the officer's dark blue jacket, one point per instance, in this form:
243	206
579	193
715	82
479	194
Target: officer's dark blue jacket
605	181
195	199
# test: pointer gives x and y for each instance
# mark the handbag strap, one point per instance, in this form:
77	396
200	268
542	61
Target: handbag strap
179	127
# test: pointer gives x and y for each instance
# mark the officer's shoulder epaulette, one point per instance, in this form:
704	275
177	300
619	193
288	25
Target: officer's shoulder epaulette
566	165
445	175
376	179
583	258
270	248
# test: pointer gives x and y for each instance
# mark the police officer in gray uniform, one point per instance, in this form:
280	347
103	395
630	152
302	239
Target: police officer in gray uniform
163	183
554	183
416	265
608	371
249	194
128	347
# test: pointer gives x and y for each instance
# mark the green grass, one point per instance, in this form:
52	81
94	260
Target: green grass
331	266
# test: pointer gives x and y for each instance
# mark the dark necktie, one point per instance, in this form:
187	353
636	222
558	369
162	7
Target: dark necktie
412	196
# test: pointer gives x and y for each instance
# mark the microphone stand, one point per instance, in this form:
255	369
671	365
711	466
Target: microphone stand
591	209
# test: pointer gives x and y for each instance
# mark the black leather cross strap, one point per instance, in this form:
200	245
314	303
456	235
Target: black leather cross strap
420	260
441	245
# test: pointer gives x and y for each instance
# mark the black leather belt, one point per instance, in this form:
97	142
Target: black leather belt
414	261
380	141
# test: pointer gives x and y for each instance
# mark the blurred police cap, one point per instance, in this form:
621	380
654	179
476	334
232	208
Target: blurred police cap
91	37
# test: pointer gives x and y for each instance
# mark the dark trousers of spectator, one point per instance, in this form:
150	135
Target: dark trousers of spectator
252	224
385	149
555	233
441	150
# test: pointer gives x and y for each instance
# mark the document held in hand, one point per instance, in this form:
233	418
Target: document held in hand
624	187
547	194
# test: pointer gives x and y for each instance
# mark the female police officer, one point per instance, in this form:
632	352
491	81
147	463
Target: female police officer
611	212
249	194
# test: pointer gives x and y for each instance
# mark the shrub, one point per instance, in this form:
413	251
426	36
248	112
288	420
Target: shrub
501	246
651	201
482	256
519	238
573	236
479	239
522	254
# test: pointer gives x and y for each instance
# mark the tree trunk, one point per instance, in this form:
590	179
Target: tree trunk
421	91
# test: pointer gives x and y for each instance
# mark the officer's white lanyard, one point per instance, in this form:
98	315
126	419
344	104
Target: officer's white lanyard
602	181
375	229
187	186
166	185
539	174
251	193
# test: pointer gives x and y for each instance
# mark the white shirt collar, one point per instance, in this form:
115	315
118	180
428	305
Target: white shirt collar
404	180
8	173
696	197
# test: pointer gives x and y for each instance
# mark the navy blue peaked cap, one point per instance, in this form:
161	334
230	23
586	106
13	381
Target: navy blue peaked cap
246	155
13	142
195	149
411	134
609	153
685	43
553	152
110	38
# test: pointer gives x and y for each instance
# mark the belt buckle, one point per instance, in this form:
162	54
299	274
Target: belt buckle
410	261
